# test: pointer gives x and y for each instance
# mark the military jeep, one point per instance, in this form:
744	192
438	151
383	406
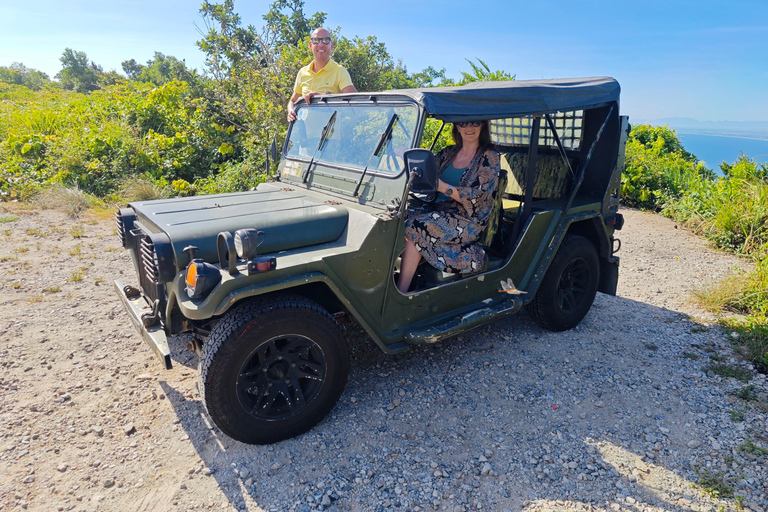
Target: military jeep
262	278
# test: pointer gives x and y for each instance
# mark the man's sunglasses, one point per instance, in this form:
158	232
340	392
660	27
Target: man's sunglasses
464	124
324	40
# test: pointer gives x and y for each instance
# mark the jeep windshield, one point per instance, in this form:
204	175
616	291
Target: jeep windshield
349	142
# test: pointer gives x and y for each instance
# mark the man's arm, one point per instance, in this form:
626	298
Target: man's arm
291	113
307	99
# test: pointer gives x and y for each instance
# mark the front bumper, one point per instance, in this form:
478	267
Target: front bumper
153	336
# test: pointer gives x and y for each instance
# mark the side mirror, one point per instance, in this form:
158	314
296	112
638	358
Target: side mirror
271	152
273	148
421	163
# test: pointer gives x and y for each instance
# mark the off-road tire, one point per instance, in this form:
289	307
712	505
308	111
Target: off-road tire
272	369
568	289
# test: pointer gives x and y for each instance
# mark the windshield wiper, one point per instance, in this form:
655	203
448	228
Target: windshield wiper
327	129
385	136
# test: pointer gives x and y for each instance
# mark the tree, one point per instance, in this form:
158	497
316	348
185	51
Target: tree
225	42
370	65
481	72
18	74
131	68
159	70
428	76
294	27
77	73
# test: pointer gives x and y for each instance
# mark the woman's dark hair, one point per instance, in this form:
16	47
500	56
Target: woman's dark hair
485	136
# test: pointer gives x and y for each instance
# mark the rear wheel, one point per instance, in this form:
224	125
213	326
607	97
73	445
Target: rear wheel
272	369
568	289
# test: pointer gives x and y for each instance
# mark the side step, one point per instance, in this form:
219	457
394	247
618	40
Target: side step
435	333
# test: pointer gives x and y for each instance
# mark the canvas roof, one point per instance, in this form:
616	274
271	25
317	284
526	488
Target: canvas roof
487	100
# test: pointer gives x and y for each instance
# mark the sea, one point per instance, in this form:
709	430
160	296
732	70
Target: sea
713	149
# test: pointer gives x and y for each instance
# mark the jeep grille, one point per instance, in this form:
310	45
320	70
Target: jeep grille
148	271
120	227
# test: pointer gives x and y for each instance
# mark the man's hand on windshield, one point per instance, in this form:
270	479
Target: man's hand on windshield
308	97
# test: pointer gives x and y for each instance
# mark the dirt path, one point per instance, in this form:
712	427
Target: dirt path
90	420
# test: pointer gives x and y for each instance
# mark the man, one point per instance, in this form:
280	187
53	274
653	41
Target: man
321	76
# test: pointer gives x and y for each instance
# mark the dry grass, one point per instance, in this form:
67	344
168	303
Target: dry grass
723	295
72	201
144	190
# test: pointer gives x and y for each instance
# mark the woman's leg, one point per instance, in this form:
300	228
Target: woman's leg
408	263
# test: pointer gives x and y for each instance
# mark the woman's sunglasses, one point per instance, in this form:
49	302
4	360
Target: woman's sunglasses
464	124
324	40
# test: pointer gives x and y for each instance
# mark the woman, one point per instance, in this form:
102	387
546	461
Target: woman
446	234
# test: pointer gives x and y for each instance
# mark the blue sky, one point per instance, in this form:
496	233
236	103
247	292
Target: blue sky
702	59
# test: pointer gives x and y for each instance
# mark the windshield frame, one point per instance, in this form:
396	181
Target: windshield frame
332	103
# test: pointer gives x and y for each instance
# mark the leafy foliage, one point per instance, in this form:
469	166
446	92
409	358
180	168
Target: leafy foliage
481	72
658	169
159	70
76	73
98	140
18	74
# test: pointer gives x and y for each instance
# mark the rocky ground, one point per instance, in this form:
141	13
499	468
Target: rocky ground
622	413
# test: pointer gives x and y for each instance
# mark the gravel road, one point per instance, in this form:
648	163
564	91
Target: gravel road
620	413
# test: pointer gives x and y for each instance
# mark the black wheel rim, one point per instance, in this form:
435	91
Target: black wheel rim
280	377
573	288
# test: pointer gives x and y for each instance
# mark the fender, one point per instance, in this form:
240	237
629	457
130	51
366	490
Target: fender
293	282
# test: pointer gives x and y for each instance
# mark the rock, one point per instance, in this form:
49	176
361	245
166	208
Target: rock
129	429
109	482
694	443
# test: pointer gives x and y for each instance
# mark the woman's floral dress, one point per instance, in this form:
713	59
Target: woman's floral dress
446	233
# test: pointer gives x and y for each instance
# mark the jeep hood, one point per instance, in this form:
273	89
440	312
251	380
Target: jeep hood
289	220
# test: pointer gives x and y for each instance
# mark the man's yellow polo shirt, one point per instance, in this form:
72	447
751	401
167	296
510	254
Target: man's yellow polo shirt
329	80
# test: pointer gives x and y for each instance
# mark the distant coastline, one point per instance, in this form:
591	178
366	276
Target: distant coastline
756	130
732	135
713	149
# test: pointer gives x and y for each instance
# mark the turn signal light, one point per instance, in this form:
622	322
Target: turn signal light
201	277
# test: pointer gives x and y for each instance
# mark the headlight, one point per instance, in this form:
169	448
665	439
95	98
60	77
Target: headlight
247	241
201	277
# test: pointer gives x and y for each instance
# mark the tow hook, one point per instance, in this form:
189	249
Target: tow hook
131	291
150	319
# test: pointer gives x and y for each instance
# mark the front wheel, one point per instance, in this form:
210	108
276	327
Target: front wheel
569	286
272	369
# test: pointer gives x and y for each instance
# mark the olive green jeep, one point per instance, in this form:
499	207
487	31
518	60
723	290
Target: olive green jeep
261	278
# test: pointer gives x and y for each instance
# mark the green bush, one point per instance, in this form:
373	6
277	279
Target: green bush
657	169
96	141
